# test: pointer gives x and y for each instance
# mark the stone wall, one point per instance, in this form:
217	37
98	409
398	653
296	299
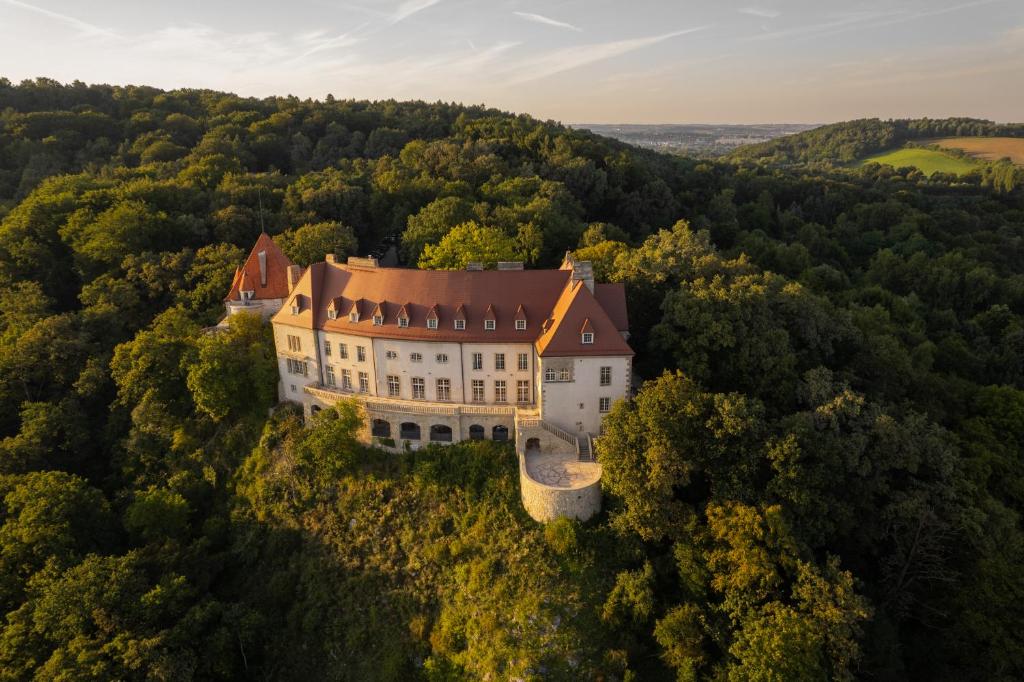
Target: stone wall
544	503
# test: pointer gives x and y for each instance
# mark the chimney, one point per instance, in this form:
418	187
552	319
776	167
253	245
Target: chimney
331	258
294	273
510	265
582	271
366	262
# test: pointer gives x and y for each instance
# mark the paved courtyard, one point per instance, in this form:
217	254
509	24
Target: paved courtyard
560	470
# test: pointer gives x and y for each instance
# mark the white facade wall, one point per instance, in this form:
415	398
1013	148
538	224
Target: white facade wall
574	405
429	369
292	383
489	374
351	363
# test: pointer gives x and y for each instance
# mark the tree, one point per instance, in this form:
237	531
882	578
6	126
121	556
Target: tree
235	371
469	243
310	242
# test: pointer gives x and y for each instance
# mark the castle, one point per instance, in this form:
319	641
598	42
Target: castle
537	356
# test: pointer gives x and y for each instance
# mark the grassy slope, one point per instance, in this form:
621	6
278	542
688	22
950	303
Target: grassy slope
928	161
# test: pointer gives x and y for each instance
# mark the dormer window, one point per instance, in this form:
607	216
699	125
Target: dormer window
295	308
296	305
520	325
378	320
353	316
332	314
460	325
587	337
489	325
432	323
403	322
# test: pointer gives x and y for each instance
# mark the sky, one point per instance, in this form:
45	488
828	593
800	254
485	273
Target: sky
576	61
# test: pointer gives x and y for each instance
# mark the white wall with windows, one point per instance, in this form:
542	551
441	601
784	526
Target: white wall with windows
493	363
341	353
403	360
576	391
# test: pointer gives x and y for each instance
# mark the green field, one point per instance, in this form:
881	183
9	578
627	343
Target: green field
927	161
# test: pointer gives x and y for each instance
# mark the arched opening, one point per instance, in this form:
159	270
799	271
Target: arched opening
441	433
381	428
533	444
499	432
476	432
409	431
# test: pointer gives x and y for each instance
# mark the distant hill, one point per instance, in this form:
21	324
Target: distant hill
850	141
694	139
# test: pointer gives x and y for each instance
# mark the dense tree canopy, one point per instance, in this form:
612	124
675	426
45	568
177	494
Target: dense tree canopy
821	477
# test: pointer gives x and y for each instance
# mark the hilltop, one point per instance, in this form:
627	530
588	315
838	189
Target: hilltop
851	141
818	477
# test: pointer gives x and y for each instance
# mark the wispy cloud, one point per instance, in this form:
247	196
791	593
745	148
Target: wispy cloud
409	8
566	58
760	12
83	27
547	21
855	21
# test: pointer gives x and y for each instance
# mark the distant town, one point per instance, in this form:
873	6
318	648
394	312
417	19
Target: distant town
694	139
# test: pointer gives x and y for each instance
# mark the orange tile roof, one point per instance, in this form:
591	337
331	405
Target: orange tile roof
501	295
273	283
612	297
576	310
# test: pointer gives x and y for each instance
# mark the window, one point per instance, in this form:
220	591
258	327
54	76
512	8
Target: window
346	380
604	404
378	320
478	390
444	389
478	360
361	353
394	386
606	376
327	348
460	325
329	371
416	357
489	325
550	375
298	367
293	388
343	351
432	323
520	325
563	374
332	314
500	392
391	355
353	316
524	361
523	391
499	361
403	322
364	382
588	337
295	308
442	358
419	388
294	343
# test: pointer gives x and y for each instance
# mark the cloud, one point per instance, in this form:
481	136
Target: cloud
548	21
409	8
566	58
83	27
760	12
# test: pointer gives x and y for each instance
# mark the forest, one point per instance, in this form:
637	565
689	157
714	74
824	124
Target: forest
819	477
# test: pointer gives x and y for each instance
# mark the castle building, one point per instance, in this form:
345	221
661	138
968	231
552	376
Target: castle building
535	356
260	286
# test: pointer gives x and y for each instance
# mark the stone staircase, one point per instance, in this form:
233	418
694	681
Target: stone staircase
585	448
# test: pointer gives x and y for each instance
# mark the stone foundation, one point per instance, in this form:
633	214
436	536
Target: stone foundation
546	503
